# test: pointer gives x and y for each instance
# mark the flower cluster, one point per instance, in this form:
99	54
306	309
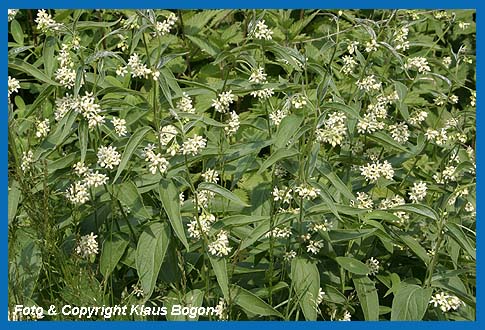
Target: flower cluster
446	302
87	246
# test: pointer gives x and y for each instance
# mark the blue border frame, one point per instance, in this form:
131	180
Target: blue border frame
220	4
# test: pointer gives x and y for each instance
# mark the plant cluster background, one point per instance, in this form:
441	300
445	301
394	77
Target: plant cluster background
274	164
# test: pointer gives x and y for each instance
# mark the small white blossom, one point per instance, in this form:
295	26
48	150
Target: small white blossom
373	171
77	193
167	134
223	102
418	191
277	116
108	157
193	145
373	265
220	247
164	27
418	63
43	128
87	246
258	76
46	23
13	85
314	246
120	126
27	160
262	32
371	46
283	194
185	104
232	124
399	132
307	192
211	176
369	83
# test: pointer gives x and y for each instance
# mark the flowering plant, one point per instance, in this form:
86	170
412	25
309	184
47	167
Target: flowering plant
277	164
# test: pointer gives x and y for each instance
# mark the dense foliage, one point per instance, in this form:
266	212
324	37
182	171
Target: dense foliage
280	164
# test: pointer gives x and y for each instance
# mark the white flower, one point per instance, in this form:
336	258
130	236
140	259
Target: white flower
77	193
258	76
66	76
167	134
164	27
121	71
197	231
95	179
307	192
418	191
347	316
316	227
349	64
314	246
89	109
27	160
211	176
87	246
369	83
418	63
399	132
277	116
203	198
263	93
373	171
137	68
108	157
193	145
283	194
80	169
464	25
446	302
352	47
473	98
453	99
221	310
334	130
13	85
137	291
224	100
446	61
321	295
418	117
220	247
43	128
185	104
364	201
12	13
45	23
298	101
232	124
371	46
373	265
120	126
289	255
156	161
284	232
262	31
369	123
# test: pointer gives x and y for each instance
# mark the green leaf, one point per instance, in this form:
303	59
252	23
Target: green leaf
353	265
29	69
336	181
83	139
288	126
306	283
410	303
215	188
114	247
416	248
205	45
17	33
150	252
128	193
48	55
348	110
419	209
220	270
170	200
386	140
459	236
131	146
251	303
343	235
278	155
14	195
241	220
368	298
